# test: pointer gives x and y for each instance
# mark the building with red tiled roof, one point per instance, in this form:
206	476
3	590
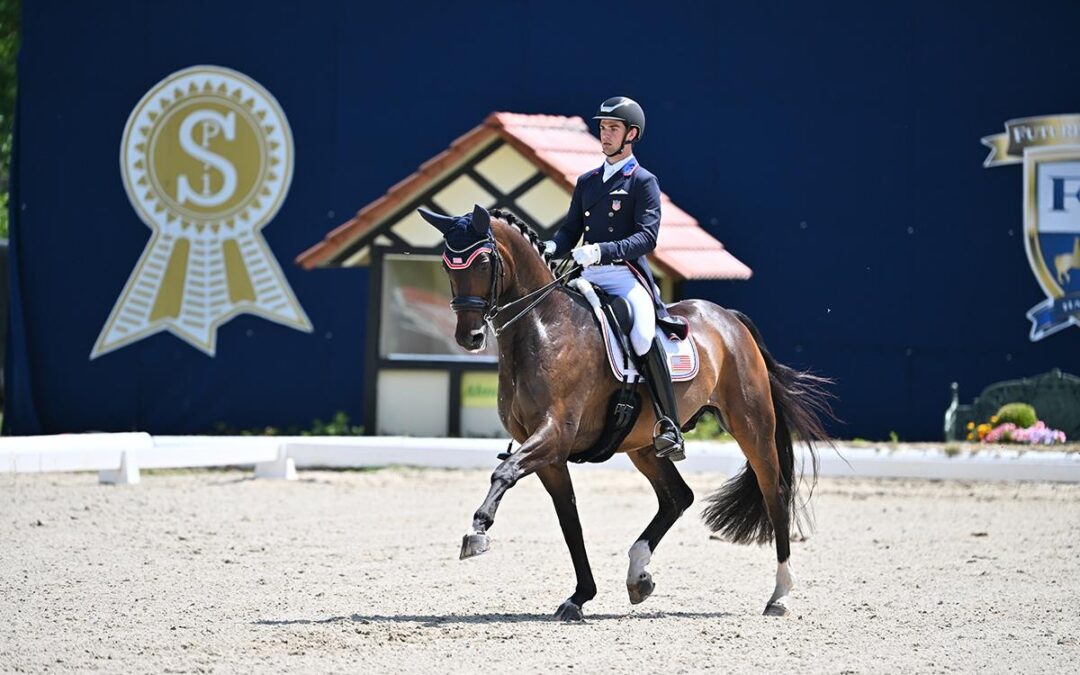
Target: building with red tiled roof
527	164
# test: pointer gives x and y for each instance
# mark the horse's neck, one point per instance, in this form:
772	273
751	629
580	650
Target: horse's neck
530	272
540	334
536	330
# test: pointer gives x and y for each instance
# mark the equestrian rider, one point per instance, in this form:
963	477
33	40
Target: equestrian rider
617	209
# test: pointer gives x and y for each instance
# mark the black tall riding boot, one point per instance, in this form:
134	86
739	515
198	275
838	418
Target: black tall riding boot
667	439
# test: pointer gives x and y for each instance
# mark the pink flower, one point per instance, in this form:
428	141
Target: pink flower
1001	434
1037	434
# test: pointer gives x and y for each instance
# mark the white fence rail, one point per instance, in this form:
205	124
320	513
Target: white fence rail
119	457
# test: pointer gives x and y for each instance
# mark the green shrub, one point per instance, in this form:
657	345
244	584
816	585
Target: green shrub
338	426
708	429
1020	414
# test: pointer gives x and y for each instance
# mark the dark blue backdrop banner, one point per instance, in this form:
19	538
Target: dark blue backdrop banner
835	149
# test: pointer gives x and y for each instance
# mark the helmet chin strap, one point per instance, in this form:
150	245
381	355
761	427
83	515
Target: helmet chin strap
614	154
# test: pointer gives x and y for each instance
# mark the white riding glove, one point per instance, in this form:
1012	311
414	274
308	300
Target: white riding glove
549	247
586	255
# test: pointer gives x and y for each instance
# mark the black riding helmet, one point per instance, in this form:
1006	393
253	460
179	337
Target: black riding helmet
625	110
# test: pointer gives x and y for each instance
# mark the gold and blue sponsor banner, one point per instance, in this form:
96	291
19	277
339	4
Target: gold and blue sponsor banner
1052	235
1031	132
1049	149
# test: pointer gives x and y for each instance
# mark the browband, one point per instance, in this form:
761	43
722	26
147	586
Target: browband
459	263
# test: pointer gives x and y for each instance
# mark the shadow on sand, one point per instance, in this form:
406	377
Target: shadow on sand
432	620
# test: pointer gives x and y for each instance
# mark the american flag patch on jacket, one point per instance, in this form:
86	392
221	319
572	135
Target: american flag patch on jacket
680	363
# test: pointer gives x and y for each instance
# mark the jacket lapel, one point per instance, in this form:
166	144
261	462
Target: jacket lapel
594	191
620	181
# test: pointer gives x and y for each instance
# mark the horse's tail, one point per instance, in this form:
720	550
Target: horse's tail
737	510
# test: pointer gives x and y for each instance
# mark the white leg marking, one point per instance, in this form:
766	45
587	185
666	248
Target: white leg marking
640	555
785	581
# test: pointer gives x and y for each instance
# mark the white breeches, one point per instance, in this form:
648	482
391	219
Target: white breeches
619	280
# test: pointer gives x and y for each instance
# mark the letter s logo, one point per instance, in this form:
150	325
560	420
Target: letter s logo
211	124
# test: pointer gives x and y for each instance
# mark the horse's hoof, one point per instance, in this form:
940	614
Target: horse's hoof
641	590
568	611
777	608
473	544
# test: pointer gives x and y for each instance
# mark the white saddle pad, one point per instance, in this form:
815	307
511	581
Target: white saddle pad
682	355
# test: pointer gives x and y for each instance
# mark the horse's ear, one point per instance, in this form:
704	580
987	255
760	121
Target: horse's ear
481	221
442	223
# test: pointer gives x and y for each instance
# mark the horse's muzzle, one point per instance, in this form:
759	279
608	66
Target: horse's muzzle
470	337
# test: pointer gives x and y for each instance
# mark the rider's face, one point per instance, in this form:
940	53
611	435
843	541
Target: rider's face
611	135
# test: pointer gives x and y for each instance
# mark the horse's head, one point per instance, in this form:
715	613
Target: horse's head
471	259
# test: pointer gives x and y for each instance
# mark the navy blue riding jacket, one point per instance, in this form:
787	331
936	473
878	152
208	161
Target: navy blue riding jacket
622	215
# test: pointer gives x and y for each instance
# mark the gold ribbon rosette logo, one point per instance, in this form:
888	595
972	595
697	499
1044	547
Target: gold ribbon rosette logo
206	158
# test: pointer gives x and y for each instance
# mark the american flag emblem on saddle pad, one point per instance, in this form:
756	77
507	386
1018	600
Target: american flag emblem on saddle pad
680	363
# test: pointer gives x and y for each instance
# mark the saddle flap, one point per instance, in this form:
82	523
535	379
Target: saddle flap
620	315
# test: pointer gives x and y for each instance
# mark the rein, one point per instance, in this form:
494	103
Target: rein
544	291
489	305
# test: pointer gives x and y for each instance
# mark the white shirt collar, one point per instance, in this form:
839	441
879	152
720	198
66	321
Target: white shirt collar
611	169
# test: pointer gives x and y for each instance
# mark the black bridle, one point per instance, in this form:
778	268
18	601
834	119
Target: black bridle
455	259
489	306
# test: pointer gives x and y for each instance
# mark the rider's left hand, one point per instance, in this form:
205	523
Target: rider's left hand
586	255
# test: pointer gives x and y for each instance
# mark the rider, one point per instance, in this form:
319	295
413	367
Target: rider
617	209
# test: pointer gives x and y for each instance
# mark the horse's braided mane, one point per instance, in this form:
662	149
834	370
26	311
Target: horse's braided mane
530	235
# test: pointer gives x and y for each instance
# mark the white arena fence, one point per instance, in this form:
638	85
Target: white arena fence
119	457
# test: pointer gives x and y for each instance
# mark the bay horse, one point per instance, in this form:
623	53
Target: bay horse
554	387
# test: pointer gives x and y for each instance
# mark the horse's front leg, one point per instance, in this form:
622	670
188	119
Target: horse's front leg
556	479
543	448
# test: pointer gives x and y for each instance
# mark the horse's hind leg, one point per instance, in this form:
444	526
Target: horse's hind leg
777	503
765	404
556	479
674	497
752	422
